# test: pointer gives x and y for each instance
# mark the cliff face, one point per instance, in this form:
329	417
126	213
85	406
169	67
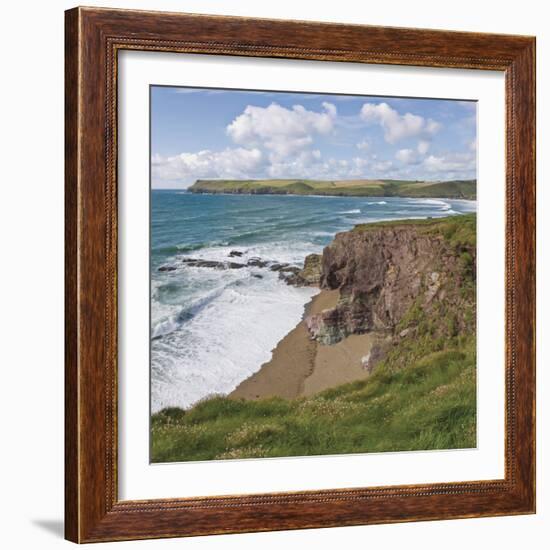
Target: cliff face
385	273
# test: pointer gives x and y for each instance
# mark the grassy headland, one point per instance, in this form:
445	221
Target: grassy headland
420	396
456	189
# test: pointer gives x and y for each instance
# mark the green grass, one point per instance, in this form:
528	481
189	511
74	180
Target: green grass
458	189
428	405
458	231
421	397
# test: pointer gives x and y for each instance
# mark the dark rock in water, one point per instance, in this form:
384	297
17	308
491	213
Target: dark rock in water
310	275
256	262
167	268
189	260
205	263
278	266
234	253
290	275
194	262
288	272
257	276
291	279
290	269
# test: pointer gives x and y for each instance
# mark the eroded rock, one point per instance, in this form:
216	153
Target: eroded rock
380	274
213	264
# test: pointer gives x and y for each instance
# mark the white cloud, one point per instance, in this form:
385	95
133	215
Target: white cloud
456	163
275	142
382	166
304	164
360	163
423	146
310	164
187	167
396	126
282	131
330	108
432	127
407	156
411	156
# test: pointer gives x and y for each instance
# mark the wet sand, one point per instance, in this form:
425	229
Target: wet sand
301	366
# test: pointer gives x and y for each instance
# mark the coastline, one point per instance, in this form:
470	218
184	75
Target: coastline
451	189
396	352
300	366
323	195
263	311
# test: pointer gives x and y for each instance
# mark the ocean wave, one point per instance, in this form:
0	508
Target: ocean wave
428	202
275	230
176	249
354	211
378	202
174	322
224	342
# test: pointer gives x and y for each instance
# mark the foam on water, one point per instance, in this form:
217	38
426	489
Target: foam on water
225	340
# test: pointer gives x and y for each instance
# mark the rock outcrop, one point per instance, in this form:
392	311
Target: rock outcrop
213	264
383	271
309	275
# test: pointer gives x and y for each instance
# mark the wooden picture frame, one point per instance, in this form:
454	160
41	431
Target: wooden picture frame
93	511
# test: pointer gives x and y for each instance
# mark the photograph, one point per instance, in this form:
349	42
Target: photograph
299	278
312	274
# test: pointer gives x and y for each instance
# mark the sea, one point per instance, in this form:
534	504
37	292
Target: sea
213	328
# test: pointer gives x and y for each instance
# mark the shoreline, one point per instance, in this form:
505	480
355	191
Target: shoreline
300	366
322	196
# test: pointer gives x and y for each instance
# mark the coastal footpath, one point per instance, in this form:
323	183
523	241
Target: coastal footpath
454	189
384	358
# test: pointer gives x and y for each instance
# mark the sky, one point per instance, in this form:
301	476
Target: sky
199	133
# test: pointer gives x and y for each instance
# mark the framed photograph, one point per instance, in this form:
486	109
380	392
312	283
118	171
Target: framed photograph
300	275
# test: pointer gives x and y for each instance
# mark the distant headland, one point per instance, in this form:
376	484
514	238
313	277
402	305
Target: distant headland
453	189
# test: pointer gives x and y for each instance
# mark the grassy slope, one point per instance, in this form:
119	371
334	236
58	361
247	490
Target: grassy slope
459	231
465	189
421	396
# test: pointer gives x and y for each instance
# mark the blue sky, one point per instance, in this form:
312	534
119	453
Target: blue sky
234	134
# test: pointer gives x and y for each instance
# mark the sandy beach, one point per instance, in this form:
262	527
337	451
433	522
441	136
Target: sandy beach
301	366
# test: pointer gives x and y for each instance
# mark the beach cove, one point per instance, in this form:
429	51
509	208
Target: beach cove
300	366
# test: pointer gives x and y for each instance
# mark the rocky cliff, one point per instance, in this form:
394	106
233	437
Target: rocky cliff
393	272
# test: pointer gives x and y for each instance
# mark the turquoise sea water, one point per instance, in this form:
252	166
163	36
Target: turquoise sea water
213	328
